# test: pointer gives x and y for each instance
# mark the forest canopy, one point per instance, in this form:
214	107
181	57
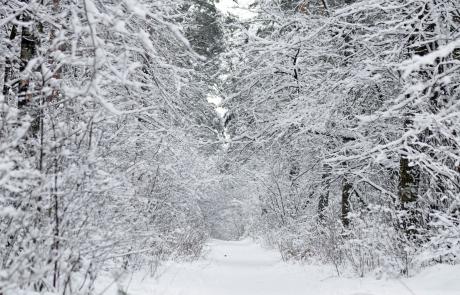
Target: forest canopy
132	131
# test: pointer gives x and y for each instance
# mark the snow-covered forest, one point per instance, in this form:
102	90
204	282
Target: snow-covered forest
138	136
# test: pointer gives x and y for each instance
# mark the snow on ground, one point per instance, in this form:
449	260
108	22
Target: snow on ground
245	268
239	8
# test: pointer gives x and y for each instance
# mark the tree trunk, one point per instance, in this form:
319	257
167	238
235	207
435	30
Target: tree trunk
55	196
347	189
8	66
28	51
324	196
409	173
28	43
409	177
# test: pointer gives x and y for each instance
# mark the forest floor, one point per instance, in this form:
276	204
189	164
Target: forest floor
245	268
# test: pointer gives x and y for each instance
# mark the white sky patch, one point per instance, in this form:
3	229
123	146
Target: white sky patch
221	111
215	100
137	8
240	9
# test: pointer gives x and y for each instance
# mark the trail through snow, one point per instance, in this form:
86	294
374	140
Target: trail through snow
245	268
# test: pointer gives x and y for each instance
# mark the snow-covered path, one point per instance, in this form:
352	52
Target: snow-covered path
245	268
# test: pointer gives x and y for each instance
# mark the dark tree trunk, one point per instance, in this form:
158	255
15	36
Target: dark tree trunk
8	65
409	173
28	51
28	43
347	189
409	177
324	195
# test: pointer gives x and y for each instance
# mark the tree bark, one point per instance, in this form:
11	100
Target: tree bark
8	65
28	51
324	196
409	173
347	189
28	43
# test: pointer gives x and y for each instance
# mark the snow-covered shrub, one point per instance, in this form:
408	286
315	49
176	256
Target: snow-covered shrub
444	244
351	111
95	154
374	244
22	235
